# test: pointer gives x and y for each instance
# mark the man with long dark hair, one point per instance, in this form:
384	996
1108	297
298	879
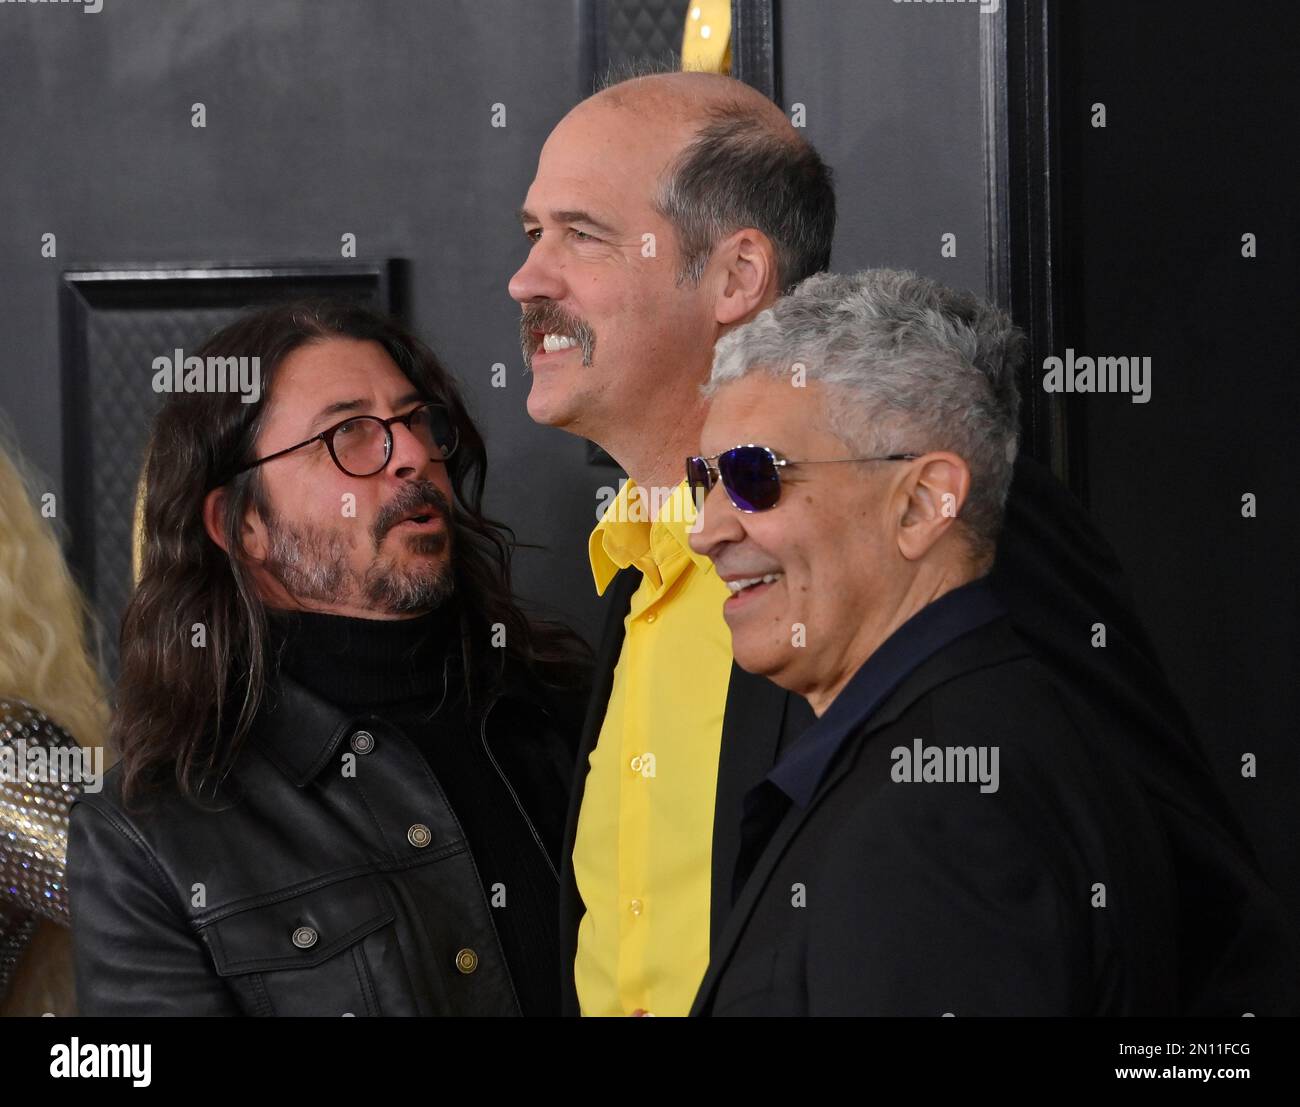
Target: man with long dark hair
345	751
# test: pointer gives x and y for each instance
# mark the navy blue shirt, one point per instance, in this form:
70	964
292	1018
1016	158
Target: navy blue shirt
802	767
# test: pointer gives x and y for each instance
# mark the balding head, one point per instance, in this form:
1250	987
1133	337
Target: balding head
731	159
689	96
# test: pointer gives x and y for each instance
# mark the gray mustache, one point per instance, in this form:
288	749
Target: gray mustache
415	495
549	318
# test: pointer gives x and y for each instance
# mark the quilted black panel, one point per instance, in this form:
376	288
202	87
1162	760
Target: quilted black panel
121	403
644	29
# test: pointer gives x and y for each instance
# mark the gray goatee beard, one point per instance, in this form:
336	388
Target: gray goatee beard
311	564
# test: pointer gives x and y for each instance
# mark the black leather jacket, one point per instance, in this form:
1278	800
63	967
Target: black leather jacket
303	890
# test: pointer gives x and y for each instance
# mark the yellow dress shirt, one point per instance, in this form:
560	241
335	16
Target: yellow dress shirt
644	847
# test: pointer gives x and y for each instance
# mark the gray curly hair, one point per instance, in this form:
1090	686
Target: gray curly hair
919	367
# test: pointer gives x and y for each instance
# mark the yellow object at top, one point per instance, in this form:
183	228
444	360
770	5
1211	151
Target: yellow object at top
706	38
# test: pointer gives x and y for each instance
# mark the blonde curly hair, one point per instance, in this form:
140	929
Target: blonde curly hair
44	620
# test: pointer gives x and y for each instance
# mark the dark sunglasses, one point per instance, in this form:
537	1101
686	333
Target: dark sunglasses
362	445
752	474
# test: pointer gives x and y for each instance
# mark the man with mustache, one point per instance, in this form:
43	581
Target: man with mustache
345	749
667	210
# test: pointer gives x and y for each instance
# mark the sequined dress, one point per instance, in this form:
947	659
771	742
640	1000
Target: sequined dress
33	829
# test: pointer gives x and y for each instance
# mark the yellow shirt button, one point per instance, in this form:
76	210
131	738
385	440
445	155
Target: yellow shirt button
651	617
636	906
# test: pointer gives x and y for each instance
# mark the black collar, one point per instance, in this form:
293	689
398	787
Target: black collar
299	730
367	662
951	616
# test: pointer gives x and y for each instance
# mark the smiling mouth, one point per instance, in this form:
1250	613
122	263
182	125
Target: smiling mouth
748	590
746	584
548	342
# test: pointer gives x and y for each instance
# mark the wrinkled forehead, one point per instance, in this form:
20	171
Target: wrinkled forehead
600	155
332	371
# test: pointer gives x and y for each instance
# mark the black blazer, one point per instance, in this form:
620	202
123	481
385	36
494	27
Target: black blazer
890	898
1057	576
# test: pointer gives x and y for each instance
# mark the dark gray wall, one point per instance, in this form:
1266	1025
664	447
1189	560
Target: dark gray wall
331	116
892	93
322	118
1194	155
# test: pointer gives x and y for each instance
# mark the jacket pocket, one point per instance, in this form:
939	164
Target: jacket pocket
313	953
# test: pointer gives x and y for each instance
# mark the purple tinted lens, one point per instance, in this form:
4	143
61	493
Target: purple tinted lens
749	474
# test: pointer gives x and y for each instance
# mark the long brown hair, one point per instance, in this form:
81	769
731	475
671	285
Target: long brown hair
185	712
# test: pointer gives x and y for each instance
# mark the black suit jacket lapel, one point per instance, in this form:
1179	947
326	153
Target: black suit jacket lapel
733	924
759	720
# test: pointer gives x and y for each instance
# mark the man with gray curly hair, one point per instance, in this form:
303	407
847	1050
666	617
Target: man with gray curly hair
951	824
915	358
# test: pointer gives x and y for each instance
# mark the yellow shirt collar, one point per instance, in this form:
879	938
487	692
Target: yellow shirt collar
625	536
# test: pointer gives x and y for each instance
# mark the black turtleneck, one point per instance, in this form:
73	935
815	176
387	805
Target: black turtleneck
408	672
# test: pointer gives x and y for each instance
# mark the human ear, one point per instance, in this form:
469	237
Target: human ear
932	495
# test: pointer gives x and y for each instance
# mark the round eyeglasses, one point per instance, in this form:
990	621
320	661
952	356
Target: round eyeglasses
362	445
